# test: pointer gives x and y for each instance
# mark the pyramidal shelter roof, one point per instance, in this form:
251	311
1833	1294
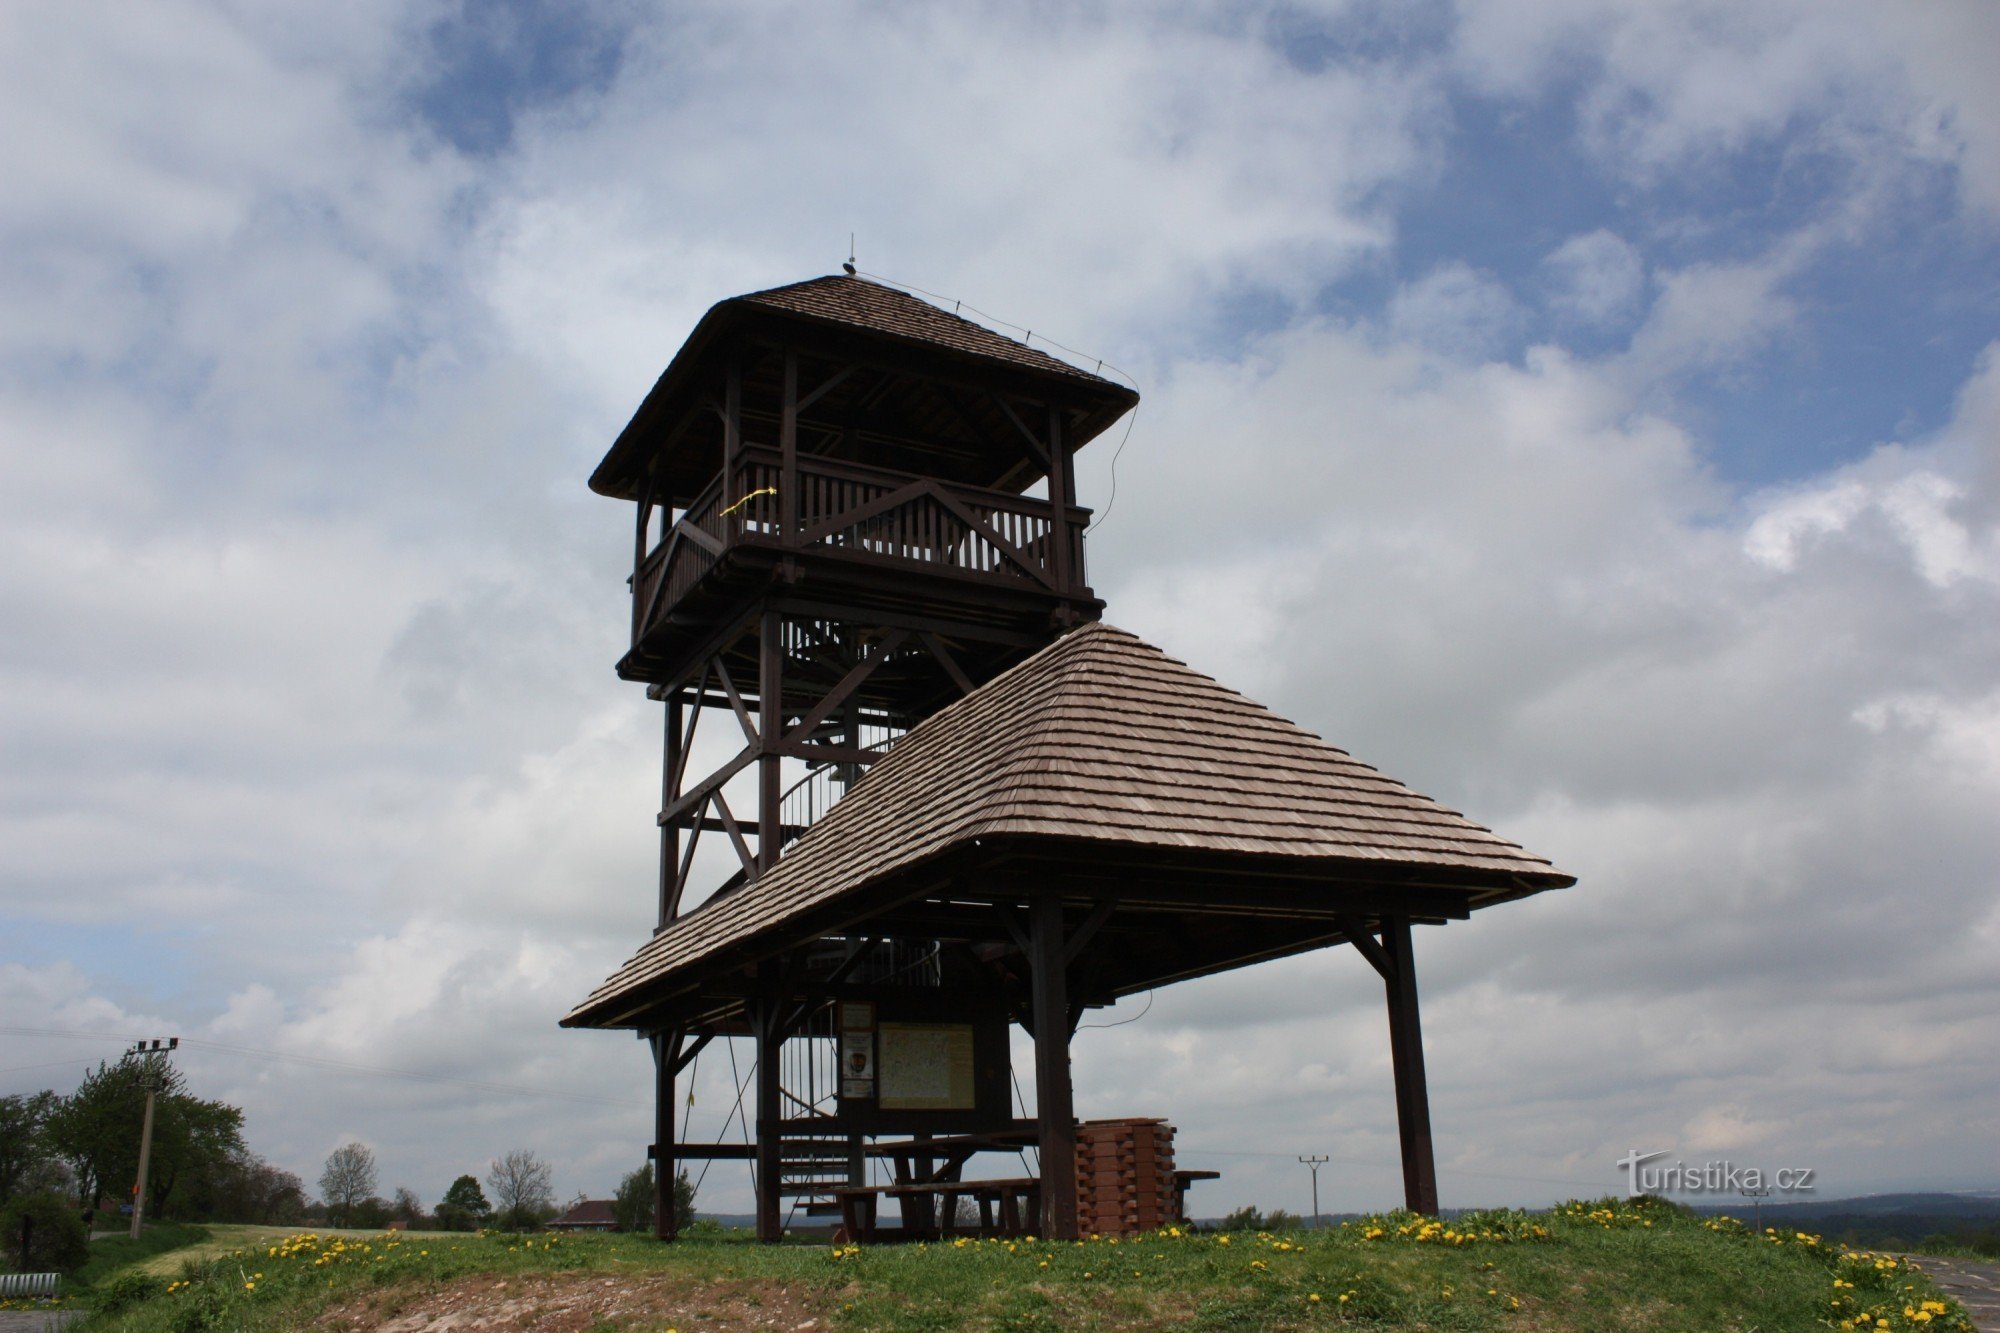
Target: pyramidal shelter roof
1100	741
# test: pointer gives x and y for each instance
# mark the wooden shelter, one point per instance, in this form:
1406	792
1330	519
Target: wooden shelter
1011	811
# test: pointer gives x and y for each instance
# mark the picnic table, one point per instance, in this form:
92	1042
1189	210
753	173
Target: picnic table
929	1182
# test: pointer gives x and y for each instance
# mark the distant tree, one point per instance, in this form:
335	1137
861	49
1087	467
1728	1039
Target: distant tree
27	1162
632	1206
1280	1220
464	1206
246	1188
347	1182
95	1131
406	1206
523	1190
193	1141
683	1200
1247	1218
43	1233
371	1214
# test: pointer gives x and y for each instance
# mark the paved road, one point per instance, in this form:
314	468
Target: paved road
36	1321
1975	1286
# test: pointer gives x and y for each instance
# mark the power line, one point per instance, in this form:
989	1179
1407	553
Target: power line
1193	1150
53	1064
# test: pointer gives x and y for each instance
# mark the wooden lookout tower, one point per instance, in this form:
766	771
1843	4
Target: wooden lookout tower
955	799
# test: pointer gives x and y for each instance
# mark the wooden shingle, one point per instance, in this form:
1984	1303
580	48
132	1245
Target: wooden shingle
1102	745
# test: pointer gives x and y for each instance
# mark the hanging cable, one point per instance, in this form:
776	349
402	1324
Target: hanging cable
1021	1105
1083	1027
687	1119
959	307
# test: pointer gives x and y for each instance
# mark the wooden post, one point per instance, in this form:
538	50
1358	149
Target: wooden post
1406	1051
670	834
145	1153
666	1164
732	420
1055	1104
788	447
1062	482
770	729
770	1144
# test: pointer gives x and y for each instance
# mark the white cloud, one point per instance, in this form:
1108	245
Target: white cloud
1457	311
314	748
1680	84
1595	278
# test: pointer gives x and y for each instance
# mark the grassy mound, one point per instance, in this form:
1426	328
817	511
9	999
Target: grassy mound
1610	1265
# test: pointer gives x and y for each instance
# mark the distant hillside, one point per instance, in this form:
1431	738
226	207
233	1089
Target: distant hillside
1893	1221
1896	1221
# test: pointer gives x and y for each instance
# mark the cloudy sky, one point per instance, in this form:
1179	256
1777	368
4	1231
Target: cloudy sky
1589	412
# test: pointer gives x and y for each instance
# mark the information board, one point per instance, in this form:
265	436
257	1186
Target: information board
925	1067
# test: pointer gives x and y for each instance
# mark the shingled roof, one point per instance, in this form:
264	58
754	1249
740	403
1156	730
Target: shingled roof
1100	740
853	315
842	299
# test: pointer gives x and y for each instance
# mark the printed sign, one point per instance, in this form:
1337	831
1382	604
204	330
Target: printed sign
925	1067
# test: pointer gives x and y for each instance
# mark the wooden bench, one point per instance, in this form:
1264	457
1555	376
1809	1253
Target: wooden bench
857	1212
1183	1179
1017	1201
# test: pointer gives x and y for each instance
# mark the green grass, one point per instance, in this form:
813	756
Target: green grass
218	1239
113	1254
1614	1265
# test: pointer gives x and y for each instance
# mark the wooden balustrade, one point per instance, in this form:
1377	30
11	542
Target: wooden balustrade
843	508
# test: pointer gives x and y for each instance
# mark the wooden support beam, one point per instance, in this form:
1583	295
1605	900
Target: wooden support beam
1364	944
736	703
1087	929
691	726
770	1225
830	382
788	449
1016	925
735	832
770	725
948	662
690	1050
670	834
853	680
1036	449
667	1062
1062	485
645	519
679	890
830	754
695	795
1055	1104
1406	1051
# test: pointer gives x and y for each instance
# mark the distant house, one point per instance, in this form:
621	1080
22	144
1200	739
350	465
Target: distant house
587	1215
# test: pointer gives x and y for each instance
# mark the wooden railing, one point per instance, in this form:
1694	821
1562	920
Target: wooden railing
687	551
962	531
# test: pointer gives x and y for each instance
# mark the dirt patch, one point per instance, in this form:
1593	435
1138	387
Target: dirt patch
585	1303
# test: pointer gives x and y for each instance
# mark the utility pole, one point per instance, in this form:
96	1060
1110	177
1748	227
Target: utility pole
149	1063
1757	1195
1314	1163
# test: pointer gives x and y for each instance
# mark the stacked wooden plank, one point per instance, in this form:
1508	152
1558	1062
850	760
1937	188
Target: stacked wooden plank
1125	1176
